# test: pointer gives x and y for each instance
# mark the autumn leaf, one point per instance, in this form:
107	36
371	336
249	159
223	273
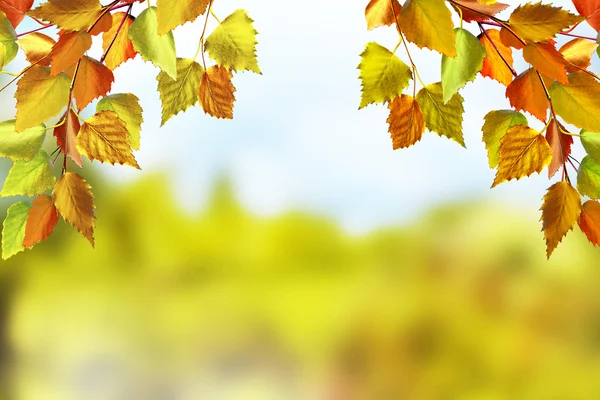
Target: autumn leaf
172	13
128	109
15	10
578	52
8	41
473	10
93	80
70	15
560	212
546	59
37	48
589	221
40	96
428	23
70	47
527	93
20	146
443	118
216	92
179	94
233	43
380	13
497	57
406	120
384	76
463	68
591	144
536	22
590	9
153	47
13	230
117	40
41	220
495	127
104	137
29	178
523	151
66	137
560	144
578	103
75	202
588	178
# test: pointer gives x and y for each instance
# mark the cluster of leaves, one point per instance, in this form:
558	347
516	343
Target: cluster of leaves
557	89
61	75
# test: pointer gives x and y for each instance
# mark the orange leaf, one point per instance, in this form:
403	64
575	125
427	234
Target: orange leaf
380	13
66	137
122	48
407	122
102	25
15	10
473	10
579	53
93	80
75	202
546	59
494	65
510	40
71	46
590	9
527	93
560	144
560	212
41	220
217	92
589	221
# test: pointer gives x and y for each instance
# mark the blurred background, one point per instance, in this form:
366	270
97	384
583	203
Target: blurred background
291	254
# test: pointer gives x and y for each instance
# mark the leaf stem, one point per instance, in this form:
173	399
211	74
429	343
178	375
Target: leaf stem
201	42
403	41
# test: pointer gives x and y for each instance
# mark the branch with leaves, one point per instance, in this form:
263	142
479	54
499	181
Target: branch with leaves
63	75
557	89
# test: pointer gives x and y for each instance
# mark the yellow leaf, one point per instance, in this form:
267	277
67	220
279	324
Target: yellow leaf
70	15
579	53
560	212
40	96
578	103
75	202
36	47
428	23
180	94
127	106
104	137
523	151
539	22
380	13
233	43
384	76
172	13
407	123
445	119
216	92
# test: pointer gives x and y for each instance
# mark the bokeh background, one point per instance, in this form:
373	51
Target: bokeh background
291	254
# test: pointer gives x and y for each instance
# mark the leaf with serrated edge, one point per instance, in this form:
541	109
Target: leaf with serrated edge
497	56
93	80
216	92
445	119
560	144
37	47
28	178
406	120
578	103
588	178
122	48
380	13
428	23
104	137
495	127
70	15
128	109
538	22
523	151
75	202
527	93
20	146
13	230
172	13
41	220
560	213
66	137
179	94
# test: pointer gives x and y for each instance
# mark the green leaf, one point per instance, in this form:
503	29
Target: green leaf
8	41
445	119
13	230
159	50
384	76
178	95
588	178
495	127
591	144
233	43
29	177
20	146
128	109
463	68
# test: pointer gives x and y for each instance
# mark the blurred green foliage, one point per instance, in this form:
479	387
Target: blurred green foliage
461	304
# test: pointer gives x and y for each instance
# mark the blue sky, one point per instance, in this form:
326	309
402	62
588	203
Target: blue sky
298	139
